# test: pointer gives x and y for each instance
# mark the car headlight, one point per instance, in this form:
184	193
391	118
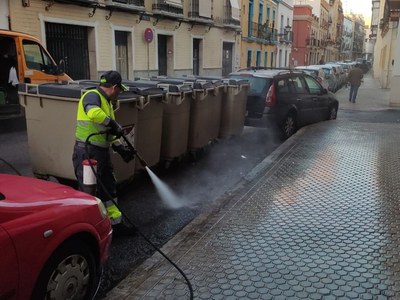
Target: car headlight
102	208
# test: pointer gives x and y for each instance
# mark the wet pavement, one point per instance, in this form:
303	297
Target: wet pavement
317	219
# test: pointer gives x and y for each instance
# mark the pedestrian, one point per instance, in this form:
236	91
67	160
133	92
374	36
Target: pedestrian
354	79
96	114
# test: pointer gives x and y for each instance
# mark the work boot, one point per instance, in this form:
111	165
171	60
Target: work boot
114	214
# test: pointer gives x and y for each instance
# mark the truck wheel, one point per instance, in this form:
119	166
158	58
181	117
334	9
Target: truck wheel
70	273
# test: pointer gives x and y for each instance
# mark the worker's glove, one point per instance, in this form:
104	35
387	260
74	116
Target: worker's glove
114	128
127	153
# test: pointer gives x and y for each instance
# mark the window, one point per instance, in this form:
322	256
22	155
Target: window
313	86
265	58
282	86
257	84
258	58
36	58
297	85
248	64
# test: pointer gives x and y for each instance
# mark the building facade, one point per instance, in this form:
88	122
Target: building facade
386	65
285	33
347	38
259	33
139	38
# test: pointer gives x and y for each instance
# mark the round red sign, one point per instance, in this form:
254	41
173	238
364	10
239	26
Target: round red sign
148	35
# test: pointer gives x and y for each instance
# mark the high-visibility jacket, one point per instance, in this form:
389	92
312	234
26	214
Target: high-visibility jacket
92	121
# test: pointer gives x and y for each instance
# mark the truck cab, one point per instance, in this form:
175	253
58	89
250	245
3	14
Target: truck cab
23	59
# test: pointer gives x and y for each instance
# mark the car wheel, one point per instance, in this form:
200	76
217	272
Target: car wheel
289	125
332	113
70	273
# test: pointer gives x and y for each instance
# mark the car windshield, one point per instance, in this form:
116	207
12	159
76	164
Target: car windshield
257	84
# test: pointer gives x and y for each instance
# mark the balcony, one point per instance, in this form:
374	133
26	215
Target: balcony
201	11
285	35
263	32
126	5
79	2
168	8
231	16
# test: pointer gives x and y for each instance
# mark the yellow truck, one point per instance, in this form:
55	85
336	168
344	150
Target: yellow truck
23	59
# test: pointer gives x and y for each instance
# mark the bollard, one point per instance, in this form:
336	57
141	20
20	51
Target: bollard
89	177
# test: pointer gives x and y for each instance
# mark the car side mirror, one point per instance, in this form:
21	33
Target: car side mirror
324	91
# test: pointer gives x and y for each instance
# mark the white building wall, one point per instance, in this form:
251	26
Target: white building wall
4	12
285	9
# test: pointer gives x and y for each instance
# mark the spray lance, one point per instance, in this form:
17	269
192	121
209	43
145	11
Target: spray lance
93	178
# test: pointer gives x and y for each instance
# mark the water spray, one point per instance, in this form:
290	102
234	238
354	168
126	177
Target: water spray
125	217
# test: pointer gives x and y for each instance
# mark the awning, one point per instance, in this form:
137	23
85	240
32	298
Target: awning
235	9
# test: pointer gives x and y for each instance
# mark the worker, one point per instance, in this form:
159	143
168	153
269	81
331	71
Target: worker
96	114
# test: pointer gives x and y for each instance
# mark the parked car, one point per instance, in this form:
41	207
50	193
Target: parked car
332	79
54	240
286	98
317	72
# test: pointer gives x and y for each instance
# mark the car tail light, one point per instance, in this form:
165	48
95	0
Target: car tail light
270	100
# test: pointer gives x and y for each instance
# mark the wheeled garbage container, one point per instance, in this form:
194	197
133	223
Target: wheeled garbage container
50	111
175	130
149	122
233	110
176	114
205	115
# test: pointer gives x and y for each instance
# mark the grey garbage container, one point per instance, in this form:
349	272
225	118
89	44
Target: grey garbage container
233	110
50	111
205	115
149	122
176	114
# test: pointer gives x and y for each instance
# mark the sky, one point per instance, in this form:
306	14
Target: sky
358	7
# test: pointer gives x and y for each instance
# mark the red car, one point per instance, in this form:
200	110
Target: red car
54	240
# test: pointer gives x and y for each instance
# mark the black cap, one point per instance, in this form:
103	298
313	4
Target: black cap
111	78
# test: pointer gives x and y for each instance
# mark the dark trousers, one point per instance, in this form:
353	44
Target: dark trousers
105	170
353	93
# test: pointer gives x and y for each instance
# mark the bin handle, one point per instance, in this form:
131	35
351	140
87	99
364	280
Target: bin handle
168	97
205	92
32	85
142	102
213	90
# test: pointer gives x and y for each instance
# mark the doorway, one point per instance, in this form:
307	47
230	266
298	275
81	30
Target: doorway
121	53
69	42
227	58
165	54
196	56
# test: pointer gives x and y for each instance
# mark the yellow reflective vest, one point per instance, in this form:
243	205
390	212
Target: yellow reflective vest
92	121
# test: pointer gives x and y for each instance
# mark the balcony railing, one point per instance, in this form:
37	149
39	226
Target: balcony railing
285	35
261	31
228	19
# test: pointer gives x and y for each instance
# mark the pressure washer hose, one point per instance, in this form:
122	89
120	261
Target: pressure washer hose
125	216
